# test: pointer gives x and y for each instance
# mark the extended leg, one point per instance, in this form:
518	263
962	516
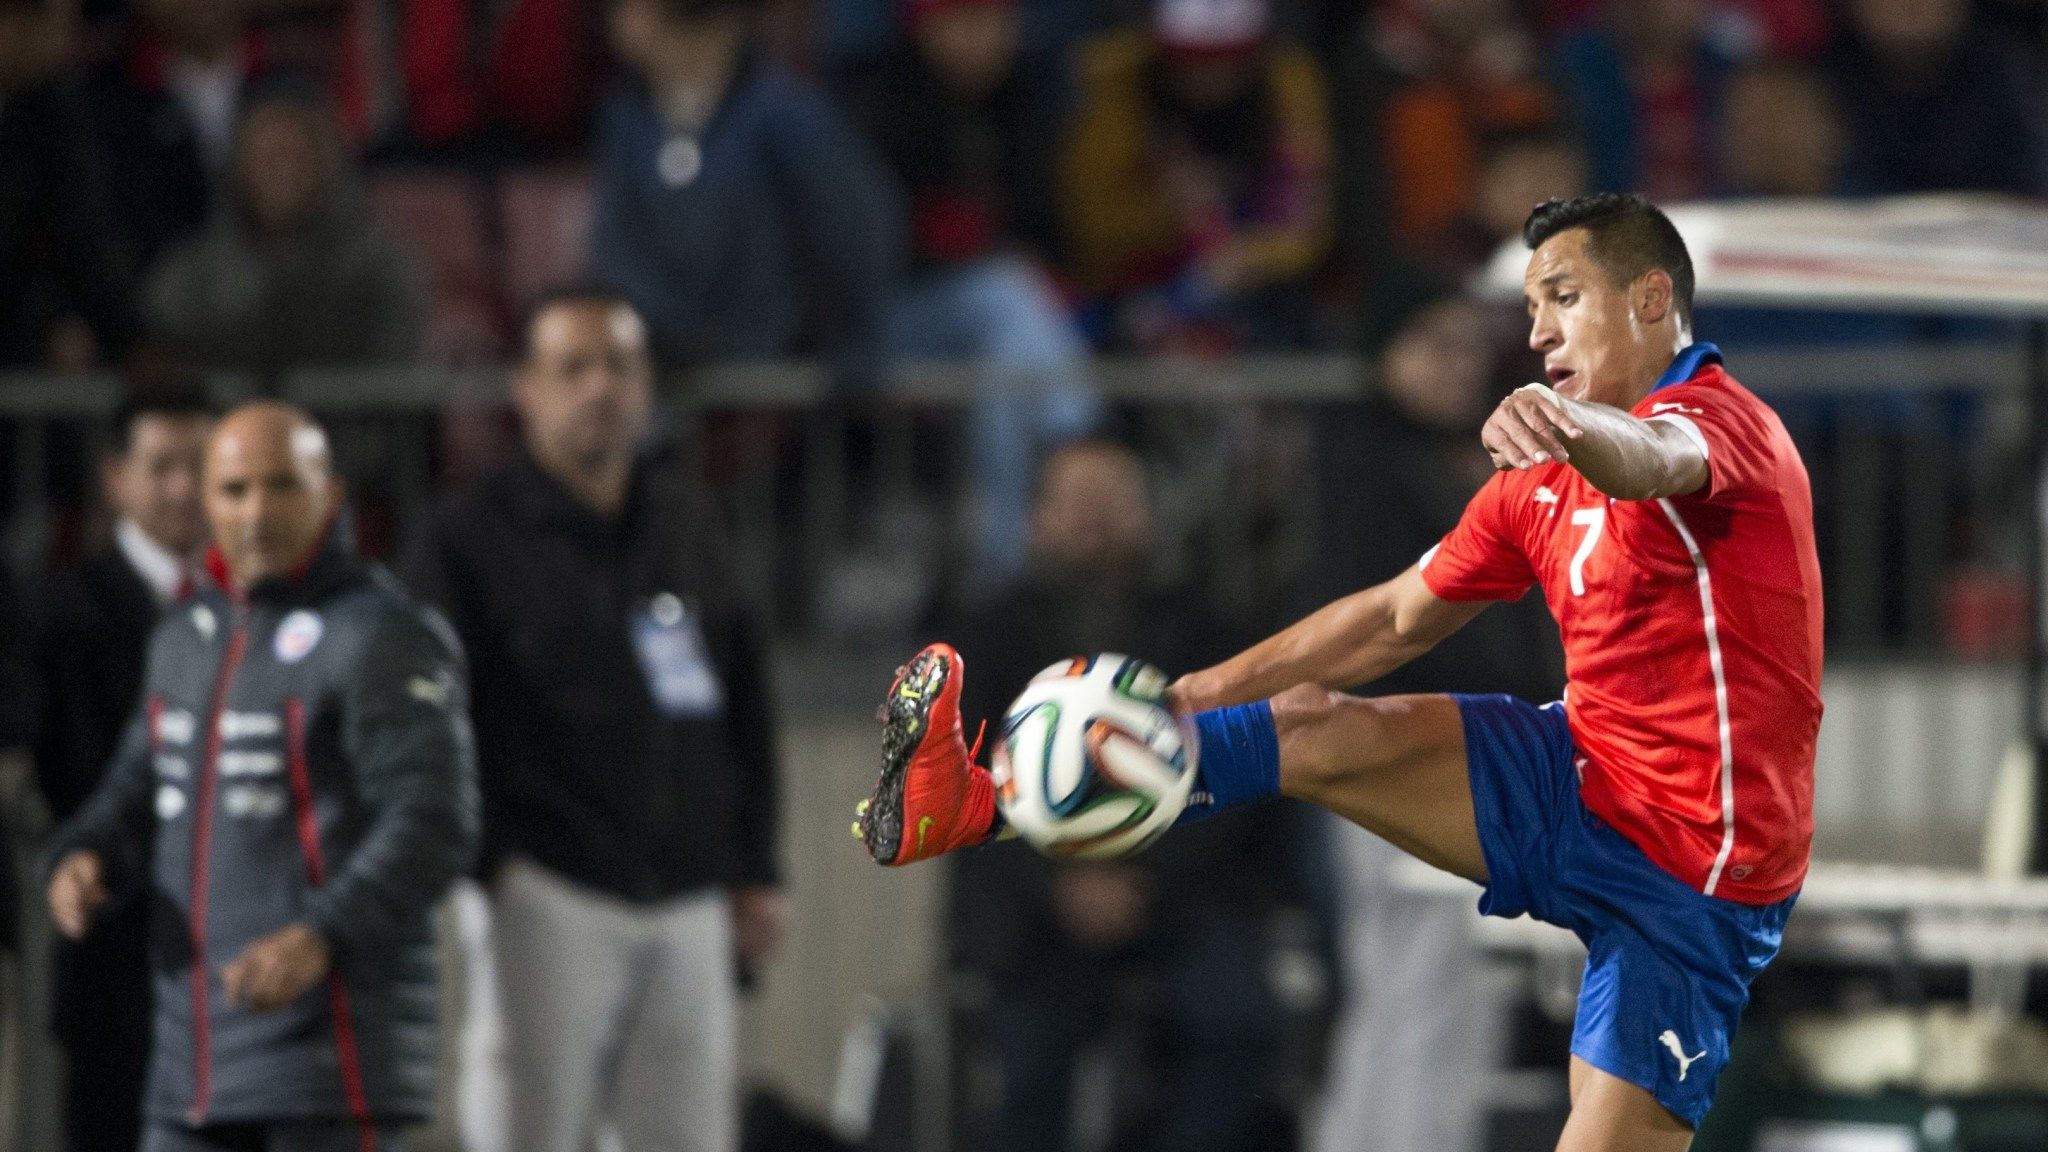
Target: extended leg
1610	1114
1394	765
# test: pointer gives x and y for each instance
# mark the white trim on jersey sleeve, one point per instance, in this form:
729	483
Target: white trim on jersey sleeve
1683	424
1428	556
1699	564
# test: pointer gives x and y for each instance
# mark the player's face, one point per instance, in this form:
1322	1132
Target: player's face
587	390
1581	321
156	482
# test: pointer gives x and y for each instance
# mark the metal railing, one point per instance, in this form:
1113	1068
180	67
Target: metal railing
1904	501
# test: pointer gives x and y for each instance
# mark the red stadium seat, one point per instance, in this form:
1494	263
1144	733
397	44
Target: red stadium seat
546	214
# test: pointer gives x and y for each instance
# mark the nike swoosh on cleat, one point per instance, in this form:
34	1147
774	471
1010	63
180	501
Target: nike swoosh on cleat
924	824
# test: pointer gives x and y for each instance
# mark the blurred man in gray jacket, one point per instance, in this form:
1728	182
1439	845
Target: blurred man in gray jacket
294	794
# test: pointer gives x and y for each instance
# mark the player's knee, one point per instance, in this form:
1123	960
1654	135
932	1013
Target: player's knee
1327	739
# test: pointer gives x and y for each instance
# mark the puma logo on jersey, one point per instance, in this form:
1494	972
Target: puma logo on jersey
1544	495
1656	408
1670	1041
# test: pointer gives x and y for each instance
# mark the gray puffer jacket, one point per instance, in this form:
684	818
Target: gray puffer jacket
301	754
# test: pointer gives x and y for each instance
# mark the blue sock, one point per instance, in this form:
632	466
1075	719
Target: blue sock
1239	760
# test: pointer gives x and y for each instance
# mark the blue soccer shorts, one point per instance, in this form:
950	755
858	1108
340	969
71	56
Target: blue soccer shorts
1668	969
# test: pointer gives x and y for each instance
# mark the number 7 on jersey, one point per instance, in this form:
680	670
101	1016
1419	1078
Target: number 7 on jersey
1592	518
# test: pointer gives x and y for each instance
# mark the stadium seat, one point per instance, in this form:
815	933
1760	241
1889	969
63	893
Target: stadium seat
546	215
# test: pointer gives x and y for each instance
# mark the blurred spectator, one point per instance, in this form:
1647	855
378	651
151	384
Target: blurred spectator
65	300
2019	22
1170	945
627	748
737	209
441	78
293	270
1195	189
1431	81
1934	102
967	123
292	796
1419	1031
1781	27
1517	171
20	693
1645	85
165	112
1781	133
97	619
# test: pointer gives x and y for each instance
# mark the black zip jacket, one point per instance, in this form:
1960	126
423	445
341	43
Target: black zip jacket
582	770
301	754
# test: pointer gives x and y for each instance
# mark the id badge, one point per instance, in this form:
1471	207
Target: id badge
670	646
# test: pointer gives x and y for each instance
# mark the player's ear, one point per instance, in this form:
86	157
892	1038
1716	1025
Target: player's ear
1650	296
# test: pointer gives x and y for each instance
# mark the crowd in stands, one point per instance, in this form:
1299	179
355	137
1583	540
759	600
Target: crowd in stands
866	180
261	186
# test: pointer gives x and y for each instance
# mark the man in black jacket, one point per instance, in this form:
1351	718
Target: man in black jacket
294	794
626	750
97	620
1176	939
66	301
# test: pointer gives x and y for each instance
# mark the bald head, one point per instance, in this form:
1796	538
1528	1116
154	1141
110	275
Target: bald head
270	489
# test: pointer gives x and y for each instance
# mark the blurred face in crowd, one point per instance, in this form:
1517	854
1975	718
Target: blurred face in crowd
1783	134
1202	81
1657	29
586	390
971	46
652	37
285	162
28	45
270	490
1462	21
156	482
1601	340
634	27
201	28
1438	368
1519	175
1093	516
1910	33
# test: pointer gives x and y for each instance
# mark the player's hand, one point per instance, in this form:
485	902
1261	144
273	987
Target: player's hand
759	914
78	890
1528	428
1184	697
277	969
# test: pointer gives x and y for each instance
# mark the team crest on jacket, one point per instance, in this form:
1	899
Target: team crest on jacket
296	636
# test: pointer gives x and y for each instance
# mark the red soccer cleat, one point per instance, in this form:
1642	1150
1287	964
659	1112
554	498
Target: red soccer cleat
932	797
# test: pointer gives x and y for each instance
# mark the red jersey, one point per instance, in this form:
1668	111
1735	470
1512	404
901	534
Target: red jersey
1692	634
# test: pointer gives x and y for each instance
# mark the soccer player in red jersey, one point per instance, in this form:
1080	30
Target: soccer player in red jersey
1663	809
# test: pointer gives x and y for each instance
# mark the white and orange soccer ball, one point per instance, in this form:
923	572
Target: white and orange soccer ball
1090	762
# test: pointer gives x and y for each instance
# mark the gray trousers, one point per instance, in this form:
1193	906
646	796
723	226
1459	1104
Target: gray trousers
618	1023
1420	1031
283	1136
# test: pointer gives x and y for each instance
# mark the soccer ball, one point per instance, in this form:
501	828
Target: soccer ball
1091	763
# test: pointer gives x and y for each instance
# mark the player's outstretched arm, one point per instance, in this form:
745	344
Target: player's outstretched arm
1623	456
1348	642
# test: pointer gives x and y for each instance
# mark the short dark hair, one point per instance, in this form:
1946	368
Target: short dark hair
174	399
1625	234
586	293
